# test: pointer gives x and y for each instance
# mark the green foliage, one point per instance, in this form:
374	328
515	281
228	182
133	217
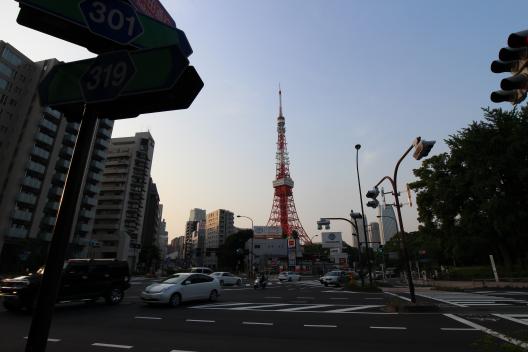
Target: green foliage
231	253
473	200
149	258
313	251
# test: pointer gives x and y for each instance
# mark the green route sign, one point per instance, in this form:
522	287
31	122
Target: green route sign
100	25
122	84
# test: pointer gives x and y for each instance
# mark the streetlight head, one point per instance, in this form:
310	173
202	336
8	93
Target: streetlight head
358	146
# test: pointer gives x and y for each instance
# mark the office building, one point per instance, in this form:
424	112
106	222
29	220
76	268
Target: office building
218	226
36	146
374	235
387	222
197	215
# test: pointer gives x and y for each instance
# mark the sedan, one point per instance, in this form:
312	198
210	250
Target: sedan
180	288
226	278
289	276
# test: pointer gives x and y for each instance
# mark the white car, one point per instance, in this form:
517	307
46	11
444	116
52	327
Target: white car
289	276
226	278
180	288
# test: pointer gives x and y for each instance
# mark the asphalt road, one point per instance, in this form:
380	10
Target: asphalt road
293	316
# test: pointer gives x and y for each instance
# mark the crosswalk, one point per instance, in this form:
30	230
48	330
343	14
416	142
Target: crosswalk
517	318
464	299
288	307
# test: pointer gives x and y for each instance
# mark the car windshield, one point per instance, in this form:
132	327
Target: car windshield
174	279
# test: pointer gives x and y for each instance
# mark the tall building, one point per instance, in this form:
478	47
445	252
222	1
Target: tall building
361	231
197	215
36	146
163	238
121	206
387	222
219	225
374	235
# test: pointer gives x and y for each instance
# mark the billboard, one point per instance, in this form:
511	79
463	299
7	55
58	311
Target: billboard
331	239
267	231
154	9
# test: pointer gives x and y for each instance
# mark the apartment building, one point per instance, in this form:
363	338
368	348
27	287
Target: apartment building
120	211
218	226
36	146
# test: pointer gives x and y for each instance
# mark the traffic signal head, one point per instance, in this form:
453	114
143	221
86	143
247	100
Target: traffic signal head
373	203
513	59
422	149
373	194
323	223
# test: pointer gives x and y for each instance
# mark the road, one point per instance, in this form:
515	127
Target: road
292	316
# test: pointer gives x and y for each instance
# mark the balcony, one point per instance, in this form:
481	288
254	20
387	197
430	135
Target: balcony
18	232
95	176
72	127
40	153
36	167
111	226
55	192
44	139
97	165
103	132
26	198
59	178
69	139
87	214
66	152
84	228
91	189
89	201
99	154
105	123
53	113
49	221
54	206
31	183
62	165
103	143
48	125
21	215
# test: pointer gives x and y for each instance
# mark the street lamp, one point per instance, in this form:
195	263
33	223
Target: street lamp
250	271
358	146
422	149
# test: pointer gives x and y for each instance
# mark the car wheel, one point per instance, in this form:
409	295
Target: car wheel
213	296
239	282
175	300
115	296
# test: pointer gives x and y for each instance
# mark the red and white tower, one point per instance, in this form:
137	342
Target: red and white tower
283	212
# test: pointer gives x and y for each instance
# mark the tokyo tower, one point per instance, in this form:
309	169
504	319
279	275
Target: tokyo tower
283	212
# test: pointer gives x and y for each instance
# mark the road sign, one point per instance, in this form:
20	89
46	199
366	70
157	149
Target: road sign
152	80
291	243
154	9
100	26
112	19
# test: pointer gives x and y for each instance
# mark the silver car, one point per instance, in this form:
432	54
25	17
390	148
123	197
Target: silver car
226	278
180	288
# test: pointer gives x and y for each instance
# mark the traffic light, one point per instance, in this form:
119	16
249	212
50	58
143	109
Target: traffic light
422	148
323	223
512	59
373	194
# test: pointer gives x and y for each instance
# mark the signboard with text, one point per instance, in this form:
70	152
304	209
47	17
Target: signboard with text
331	239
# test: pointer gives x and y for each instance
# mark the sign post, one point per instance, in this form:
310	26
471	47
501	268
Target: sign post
143	68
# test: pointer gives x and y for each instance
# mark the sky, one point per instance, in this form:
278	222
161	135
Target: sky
375	73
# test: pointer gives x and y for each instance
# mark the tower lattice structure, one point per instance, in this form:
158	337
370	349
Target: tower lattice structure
283	211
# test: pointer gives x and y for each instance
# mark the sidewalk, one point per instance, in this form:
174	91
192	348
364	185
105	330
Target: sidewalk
471	284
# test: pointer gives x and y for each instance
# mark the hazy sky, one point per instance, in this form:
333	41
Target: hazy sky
378	73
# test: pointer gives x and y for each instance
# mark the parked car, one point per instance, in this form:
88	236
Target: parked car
226	278
335	277
202	270
289	276
182	287
82	279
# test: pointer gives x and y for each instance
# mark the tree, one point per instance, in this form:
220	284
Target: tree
473	200
313	251
231	253
149	258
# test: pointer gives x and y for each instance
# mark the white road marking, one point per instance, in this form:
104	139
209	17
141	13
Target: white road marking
338	298
305	297
218	305
295	309
350	309
400	297
488	331
389	327
151	318
111	345
273	297
256	323
199	321
441	300
517	318
261	306
180	351
375	298
458	329
49	339
319	326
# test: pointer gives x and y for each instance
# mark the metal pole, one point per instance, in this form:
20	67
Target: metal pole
362	278
47	296
358	146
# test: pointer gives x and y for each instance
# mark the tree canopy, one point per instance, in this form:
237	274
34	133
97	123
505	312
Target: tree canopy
473	200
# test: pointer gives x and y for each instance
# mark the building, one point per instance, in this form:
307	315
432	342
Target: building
163	238
374	235
197	215
36	146
218	226
387	222
151	230
270	253
122	202
361	230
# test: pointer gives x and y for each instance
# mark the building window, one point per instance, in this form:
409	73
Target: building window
11	57
3	84
6	70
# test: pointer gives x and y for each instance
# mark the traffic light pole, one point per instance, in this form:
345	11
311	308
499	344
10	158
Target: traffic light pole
403	244
49	289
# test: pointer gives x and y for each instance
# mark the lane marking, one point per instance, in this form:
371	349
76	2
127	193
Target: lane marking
303	308
338	298
199	321
513	317
49	339
273	297
441	300
400	297
220	305
458	329
180	351
111	345
488	331
373	298
319	326
305	297
256	323
261	306
149	318
389	327
350	309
